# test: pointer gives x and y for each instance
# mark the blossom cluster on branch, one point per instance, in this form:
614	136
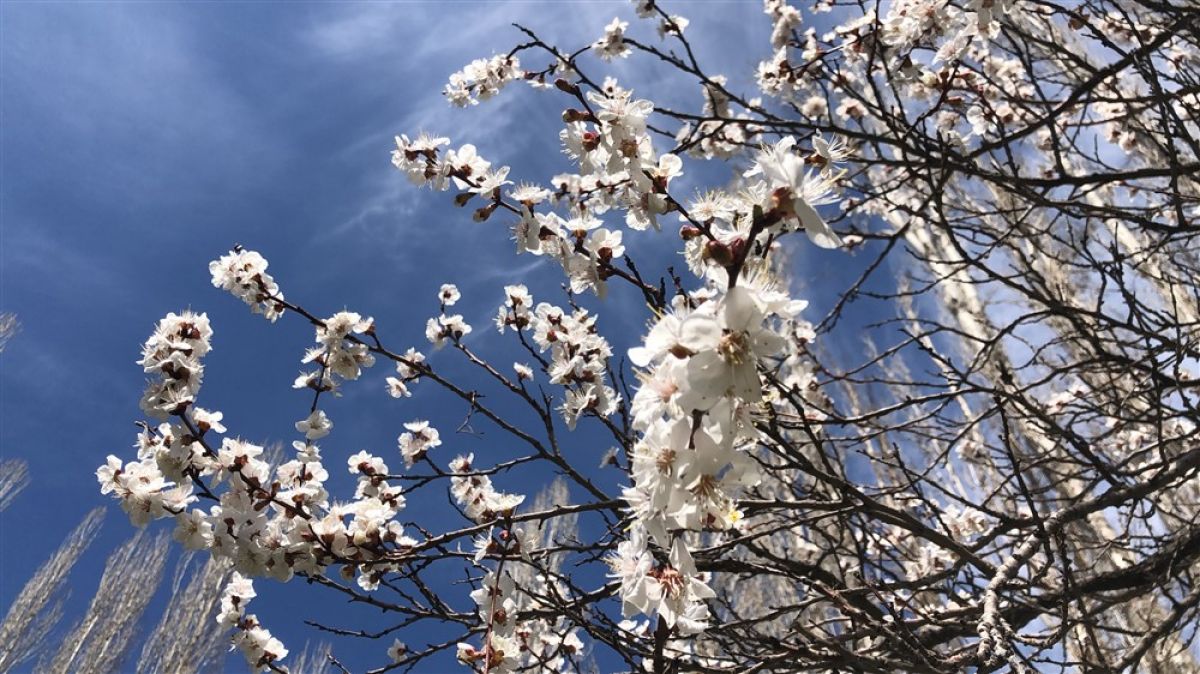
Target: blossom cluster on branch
1002	473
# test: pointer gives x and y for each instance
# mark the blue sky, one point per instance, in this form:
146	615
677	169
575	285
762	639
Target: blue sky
138	141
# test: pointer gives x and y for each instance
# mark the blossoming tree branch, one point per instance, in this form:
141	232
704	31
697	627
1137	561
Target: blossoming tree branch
1000	476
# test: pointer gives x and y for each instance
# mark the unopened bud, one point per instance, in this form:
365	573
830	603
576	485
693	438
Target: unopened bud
689	232
719	253
573	115
485	212
681	351
567	87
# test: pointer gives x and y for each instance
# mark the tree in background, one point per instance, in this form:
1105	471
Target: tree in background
9	325
14	477
185	640
1004	480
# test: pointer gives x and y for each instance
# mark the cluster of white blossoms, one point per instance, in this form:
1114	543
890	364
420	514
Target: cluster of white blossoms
902	40
244	273
418	438
578	353
171	356
267	521
157	484
668	24
714	136
474	493
336	354
482	79
612	44
424	164
144	492
408	372
521	631
442	329
673	590
251	638
700	395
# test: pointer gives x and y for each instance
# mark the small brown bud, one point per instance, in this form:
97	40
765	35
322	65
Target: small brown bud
680	351
485	212
719	252
573	115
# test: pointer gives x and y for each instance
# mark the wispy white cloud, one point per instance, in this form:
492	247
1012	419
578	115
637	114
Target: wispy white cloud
136	73
419	44
391	198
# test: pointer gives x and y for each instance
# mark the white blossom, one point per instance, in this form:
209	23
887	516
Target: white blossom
244	273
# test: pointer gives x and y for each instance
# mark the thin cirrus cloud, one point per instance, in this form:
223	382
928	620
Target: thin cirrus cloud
83	71
409	50
108	110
